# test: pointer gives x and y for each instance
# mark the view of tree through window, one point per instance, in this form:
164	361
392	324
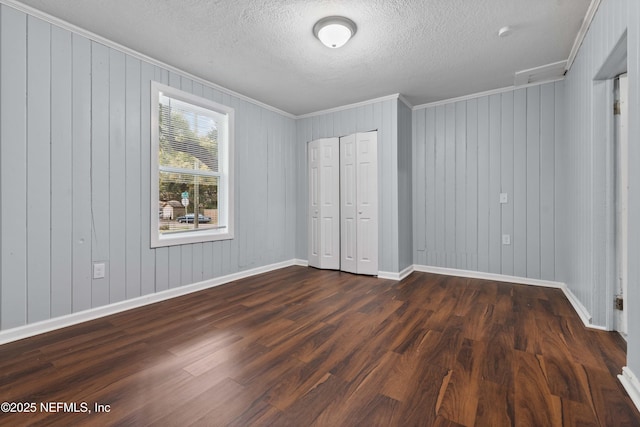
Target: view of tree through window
192	145
189	175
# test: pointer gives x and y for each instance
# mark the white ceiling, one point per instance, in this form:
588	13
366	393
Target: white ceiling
427	50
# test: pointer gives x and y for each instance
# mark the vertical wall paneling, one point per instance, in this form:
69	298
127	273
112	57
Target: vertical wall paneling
419	177
633	296
484	196
472	184
38	170
519	196
132	195
81	172
13	167
533	182
242	182
100	163
495	217
186	264
499	145
430	177
61	278
547	179
507	178
272	184
461	184
117	178
581	236
440	201
175	266
261	193
450	185
388	178
405	188
147	255
77	113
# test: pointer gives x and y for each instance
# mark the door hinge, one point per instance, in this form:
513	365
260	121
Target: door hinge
619	303
616	108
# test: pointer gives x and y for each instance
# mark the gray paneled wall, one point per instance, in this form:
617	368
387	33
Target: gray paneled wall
74	178
633	297
583	229
405	194
382	116
466	154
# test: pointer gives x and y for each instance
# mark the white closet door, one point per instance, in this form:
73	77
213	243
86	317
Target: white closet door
348	205
359	203
324	203
367	202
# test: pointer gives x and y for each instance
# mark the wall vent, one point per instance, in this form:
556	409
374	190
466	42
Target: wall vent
541	74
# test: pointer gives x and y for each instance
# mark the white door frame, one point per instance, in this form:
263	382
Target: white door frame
622	201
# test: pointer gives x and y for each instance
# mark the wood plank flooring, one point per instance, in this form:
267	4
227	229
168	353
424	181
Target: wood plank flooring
304	347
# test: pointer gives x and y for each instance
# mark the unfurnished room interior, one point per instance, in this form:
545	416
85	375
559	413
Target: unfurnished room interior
320	213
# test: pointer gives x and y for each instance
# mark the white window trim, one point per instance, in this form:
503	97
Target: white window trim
225	193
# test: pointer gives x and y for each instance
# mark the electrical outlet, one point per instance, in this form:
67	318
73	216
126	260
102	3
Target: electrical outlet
506	239
99	270
504	198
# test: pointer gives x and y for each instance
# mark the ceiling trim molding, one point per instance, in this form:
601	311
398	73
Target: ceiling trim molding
111	44
481	94
582	33
350	106
405	101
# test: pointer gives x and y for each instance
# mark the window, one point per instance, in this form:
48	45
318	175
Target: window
191	168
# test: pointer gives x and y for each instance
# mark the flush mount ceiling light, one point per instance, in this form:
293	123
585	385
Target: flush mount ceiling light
505	31
334	31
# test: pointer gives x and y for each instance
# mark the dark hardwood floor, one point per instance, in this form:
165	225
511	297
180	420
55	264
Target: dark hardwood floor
304	347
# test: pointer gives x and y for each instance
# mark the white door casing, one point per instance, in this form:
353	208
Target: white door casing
622	201
324	203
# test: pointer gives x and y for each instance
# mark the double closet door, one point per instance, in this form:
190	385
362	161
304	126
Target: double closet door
343	203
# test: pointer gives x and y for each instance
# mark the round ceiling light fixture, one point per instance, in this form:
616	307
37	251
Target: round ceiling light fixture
334	31
505	31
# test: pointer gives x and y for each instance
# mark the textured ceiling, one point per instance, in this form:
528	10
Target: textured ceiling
427	50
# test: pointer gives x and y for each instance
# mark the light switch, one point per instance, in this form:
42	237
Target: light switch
506	239
98	270
504	198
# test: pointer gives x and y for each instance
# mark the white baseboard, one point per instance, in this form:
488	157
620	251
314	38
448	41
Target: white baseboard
26	331
32	329
395	276
580	309
631	385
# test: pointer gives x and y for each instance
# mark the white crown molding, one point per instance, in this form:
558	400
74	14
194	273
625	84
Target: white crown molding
631	385
32	329
349	106
111	44
481	94
405	101
582	33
